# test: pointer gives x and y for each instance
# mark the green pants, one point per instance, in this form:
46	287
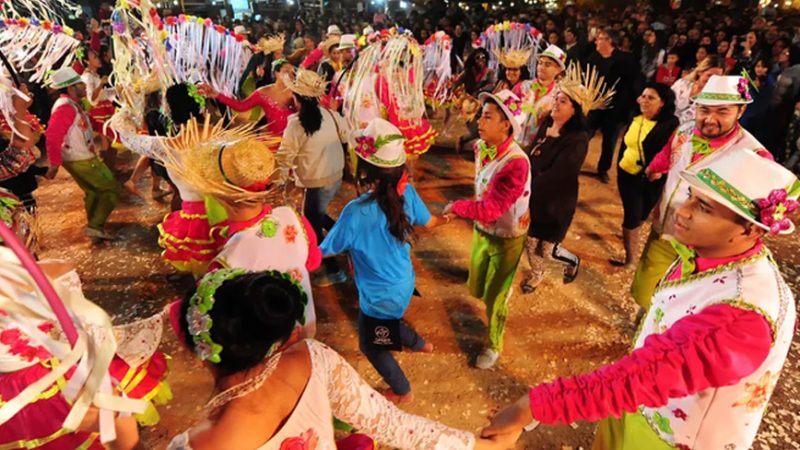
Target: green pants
657	256
491	272
101	189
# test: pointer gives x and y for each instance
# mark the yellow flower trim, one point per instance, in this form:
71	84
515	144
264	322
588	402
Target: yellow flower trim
709	273
742	304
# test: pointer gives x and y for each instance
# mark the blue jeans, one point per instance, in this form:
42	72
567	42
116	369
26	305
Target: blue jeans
315	209
383	361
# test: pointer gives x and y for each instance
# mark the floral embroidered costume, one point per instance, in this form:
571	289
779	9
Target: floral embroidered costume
709	351
501	215
538	97
686	149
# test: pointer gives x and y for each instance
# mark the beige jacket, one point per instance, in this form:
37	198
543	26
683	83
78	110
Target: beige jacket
316	160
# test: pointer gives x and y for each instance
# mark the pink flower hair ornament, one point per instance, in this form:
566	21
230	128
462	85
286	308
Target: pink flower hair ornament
774	209
743	90
513	105
365	146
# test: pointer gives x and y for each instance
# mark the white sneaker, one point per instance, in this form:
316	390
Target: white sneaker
487	359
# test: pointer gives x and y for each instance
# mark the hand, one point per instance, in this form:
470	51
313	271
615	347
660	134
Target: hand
652	176
510	420
498	442
448	210
207	91
51	172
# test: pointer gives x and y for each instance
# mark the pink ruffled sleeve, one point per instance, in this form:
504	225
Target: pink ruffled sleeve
314	57
716	347
247	104
314	253
505	188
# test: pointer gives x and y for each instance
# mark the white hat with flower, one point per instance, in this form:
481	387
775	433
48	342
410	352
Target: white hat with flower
511	106
762	191
724	90
380	144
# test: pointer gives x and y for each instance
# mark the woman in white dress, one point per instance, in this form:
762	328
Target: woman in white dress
277	392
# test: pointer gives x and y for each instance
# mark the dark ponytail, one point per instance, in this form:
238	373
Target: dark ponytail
310	115
251	313
383	182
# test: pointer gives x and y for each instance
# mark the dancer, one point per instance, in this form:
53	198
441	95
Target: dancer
99	97
710	350
70	143
375	229
185	233
558	152
647	134
538	95
75	409
716	130
241	325
500	212
236	168
312	148
275	100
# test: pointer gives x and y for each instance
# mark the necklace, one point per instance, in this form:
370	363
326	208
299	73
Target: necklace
245	387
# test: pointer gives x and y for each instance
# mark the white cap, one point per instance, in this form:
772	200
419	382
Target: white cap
762	191
555	53
347	41
724	90
334	30
511	106
64	77
380	143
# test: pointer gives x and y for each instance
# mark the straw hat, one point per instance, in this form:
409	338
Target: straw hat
63	78
380	144
235	164
514	58
511	106
587	88
555	53
330	44
308	84
271	44
724	90
755	188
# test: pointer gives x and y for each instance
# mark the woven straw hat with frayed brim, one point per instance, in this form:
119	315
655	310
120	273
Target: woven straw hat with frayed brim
738	180
514	58
308	84
271	44
233	164
507	100
380	144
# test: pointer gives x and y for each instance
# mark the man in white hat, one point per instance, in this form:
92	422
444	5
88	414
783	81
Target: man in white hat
708	354
338	85
500	211
70	142
333	30
715	130
538	97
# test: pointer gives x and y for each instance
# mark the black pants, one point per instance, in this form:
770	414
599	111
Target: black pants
383	361
609	128
638	197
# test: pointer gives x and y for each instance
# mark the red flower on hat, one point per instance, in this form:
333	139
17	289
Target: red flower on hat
774	208
365	146
513	105
742	88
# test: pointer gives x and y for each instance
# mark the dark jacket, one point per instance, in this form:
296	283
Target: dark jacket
653	143
555	164
620	68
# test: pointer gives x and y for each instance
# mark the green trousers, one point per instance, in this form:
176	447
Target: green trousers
492	268
657	256
101	188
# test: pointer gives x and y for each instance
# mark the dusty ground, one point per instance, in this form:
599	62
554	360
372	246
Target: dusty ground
558	330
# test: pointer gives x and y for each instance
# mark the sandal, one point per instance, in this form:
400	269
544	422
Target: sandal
570	273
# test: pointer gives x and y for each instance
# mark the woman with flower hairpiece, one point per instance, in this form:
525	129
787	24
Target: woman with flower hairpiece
275	99
311	148
708	354
243	326
375	230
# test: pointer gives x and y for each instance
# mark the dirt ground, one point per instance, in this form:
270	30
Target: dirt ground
558	330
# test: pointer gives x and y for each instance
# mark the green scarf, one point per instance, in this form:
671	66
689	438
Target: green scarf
701	146
687	255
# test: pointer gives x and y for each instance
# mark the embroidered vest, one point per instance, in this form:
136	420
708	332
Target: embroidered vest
726	417
515	221
676	191
79	141
277	242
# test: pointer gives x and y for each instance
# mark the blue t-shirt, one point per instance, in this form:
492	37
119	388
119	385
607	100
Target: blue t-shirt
383	271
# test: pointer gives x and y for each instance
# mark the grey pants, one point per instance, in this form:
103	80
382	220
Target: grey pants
539	251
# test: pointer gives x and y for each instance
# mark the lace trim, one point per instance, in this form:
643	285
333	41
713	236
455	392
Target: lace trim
708	273
245	387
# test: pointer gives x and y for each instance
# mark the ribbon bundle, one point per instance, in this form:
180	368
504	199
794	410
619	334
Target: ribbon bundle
507	36
37	46
436	63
